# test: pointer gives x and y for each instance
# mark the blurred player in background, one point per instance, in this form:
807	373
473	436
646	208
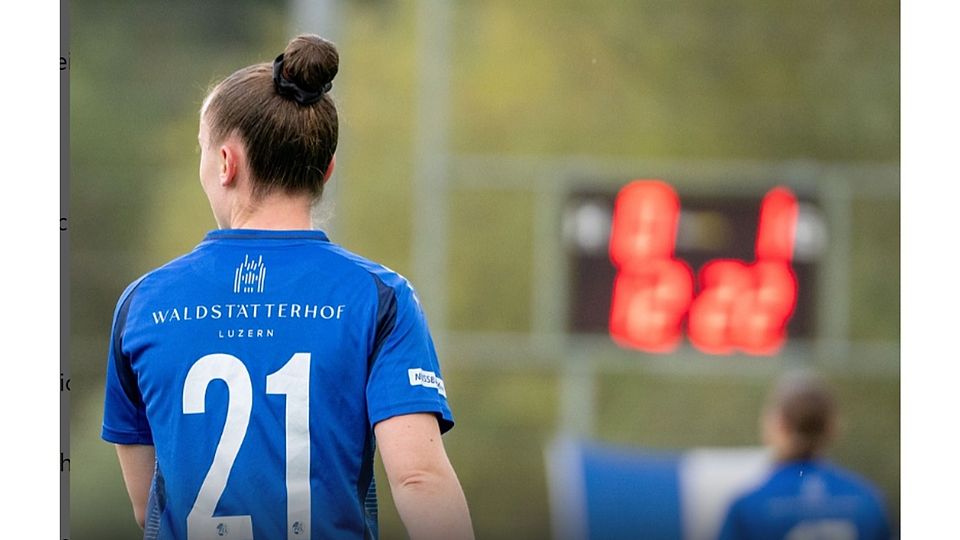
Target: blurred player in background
805	497
250	381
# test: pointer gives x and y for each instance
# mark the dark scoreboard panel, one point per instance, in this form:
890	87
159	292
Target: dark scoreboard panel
653	267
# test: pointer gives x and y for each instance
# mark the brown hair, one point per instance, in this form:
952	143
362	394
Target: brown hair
289	144
808	410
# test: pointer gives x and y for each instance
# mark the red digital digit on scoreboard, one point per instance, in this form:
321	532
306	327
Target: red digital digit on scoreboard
741	305
652	290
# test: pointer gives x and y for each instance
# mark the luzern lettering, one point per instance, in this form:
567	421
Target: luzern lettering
249	311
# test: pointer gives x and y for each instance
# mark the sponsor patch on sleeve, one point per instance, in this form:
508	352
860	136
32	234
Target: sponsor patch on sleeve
429	379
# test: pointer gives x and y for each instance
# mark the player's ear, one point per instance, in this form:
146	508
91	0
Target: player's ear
771	425
231	154
326	175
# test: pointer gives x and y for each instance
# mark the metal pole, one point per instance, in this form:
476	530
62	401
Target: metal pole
833	319
578	379
430	211
578	396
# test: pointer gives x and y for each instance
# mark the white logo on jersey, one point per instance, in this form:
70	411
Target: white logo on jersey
249	275
428	379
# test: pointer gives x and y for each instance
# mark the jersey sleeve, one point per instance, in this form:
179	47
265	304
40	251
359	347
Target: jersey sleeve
404	374
124	414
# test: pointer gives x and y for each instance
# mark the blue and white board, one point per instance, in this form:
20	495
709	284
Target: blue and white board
606	492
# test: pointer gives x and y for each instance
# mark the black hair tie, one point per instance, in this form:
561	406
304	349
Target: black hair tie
292	90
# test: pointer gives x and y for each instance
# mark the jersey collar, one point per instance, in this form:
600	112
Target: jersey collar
266	234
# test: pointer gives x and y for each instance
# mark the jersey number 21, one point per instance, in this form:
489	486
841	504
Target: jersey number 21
293	381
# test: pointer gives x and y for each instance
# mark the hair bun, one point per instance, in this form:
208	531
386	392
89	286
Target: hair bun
310	62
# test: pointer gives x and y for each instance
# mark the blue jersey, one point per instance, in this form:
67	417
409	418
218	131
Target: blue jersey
808	500
257	366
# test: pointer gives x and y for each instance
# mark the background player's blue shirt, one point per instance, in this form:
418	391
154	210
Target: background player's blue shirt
808	500
257	365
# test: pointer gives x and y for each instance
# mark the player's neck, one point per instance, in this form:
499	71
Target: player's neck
276	211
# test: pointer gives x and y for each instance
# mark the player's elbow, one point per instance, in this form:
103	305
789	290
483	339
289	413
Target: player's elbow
419	479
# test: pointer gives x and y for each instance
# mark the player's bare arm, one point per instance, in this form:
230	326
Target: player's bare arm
424	485
137	463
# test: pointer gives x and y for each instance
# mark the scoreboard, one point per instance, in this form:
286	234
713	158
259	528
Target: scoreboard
654	267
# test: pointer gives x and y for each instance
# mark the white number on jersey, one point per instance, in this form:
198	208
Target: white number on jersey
293	381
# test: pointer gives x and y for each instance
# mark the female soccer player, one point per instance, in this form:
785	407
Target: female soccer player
805	497
250	380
